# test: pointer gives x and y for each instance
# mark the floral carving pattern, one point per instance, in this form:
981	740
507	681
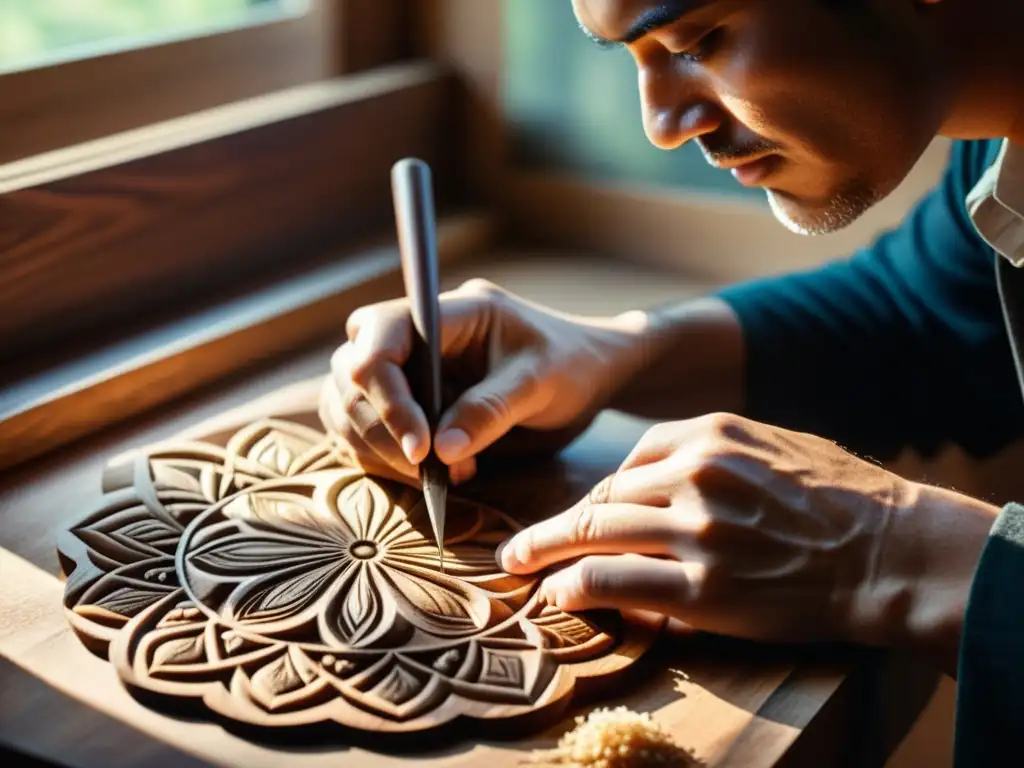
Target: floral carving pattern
265	576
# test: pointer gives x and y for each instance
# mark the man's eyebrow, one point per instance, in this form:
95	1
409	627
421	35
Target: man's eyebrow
668	12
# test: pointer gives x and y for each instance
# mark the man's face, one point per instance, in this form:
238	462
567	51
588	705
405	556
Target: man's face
826	105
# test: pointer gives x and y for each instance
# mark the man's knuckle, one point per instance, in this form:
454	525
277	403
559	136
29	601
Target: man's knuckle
493	407
479	286
602	492
363	369
352	402
719	423
584	525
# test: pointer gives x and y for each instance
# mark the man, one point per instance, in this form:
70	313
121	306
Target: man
748	524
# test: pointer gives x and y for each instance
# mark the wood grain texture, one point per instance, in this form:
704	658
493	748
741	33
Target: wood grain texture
70	102
96	247
265	575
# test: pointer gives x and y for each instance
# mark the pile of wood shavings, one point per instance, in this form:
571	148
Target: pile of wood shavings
616	738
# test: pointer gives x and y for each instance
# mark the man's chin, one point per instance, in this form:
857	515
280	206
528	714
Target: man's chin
809	219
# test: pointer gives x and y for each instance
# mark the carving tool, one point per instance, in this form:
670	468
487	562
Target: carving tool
417	243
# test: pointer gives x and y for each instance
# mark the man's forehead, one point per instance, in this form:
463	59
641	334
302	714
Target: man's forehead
627	20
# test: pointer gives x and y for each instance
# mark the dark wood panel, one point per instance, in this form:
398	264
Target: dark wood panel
373	33
90	248
69	102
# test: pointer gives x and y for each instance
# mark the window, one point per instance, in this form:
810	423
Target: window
77	70
42	32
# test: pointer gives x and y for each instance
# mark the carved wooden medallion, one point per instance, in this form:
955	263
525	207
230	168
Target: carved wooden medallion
280	586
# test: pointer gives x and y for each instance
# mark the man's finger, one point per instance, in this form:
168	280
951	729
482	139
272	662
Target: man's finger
487	411
588	529
365	458
624	582
364	422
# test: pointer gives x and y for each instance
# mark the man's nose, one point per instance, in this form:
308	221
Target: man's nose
675	109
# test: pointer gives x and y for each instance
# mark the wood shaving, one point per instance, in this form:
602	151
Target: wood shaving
615	738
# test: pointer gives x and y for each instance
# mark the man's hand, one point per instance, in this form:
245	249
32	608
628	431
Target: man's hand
743	529
507	363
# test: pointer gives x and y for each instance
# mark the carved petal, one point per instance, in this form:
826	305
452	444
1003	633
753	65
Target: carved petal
251	553
289	513
363	617
129	601
131	589
563	630
463	561
400	686
367	509
190	649
274	445
288	674
130	536
284	594
437	604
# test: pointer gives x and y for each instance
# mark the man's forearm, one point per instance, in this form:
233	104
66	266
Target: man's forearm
692	363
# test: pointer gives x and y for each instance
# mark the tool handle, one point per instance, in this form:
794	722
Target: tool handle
417	243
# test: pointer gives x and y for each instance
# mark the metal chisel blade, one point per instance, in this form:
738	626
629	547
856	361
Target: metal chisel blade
433	475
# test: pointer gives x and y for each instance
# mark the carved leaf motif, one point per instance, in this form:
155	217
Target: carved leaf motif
275	445
250	554
130	589
439	605
169	477
282	594
181	650
152	532
362	603
461	561
289	513
561	630
277	455
129	601
367	511
278	678
399	686
130	536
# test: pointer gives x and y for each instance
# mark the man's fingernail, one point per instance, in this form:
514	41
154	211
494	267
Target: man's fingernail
451	444
505	555
409	445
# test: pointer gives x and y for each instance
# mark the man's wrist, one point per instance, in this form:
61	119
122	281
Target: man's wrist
932	550
686	359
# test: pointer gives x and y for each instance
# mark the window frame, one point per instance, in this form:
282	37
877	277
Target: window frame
70	102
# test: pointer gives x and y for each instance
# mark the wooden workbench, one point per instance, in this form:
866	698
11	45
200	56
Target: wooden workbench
731	703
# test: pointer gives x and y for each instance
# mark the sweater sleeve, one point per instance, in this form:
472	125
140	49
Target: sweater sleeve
990	678
901	345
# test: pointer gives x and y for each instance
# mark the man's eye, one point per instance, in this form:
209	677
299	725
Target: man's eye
703	49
